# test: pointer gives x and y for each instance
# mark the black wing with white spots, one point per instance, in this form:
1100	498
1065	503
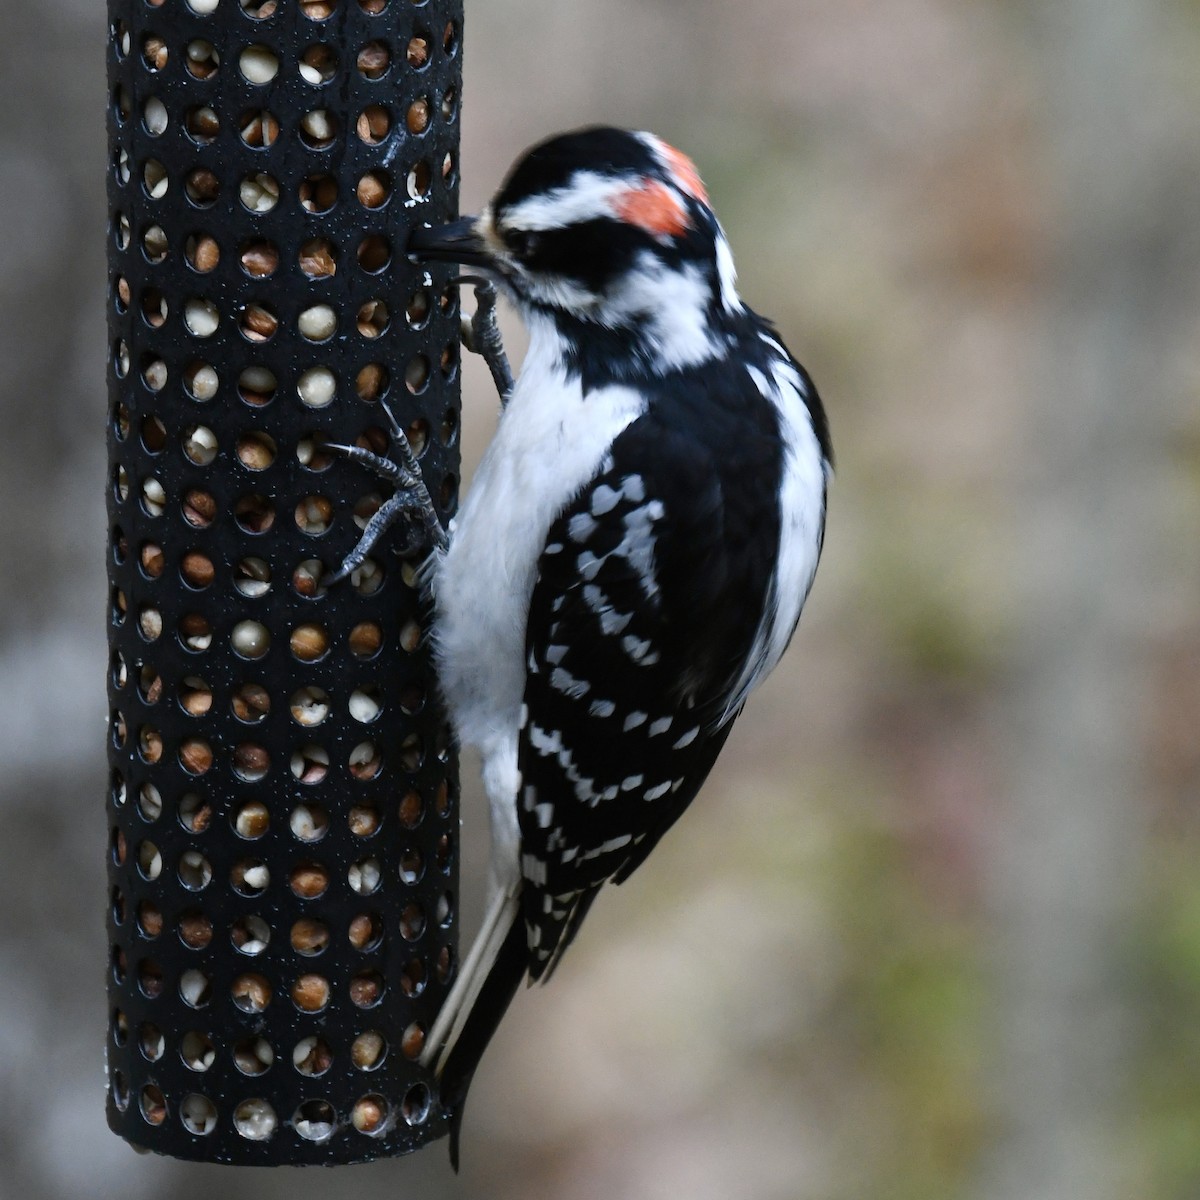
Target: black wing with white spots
648	595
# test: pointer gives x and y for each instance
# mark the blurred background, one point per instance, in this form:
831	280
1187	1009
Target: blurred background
933	928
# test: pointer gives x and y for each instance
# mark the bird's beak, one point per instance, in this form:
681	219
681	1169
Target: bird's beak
457	242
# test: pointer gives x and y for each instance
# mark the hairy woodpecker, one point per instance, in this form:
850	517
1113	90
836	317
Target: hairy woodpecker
634	551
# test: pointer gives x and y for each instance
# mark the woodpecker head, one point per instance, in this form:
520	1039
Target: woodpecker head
606	229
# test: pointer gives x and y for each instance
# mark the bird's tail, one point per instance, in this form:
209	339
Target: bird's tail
474	1029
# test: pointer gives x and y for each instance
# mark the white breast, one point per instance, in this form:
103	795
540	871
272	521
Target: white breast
550	442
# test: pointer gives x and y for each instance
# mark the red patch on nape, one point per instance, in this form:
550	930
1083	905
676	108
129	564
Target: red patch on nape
654	207
684	173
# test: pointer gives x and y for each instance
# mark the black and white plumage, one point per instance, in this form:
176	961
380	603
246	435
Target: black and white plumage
633	554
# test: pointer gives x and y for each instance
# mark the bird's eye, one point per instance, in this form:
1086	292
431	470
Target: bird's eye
522	242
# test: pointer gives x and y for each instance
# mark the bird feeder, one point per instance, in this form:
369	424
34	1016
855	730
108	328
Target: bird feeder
282	807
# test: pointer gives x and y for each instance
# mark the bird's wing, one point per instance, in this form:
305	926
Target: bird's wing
632	647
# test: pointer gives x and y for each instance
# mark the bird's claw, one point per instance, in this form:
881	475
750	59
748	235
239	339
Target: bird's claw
481	334
410	499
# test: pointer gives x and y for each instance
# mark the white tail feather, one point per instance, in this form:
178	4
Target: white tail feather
503	909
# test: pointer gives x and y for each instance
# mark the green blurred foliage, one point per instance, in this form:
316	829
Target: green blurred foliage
1166	966
908	1009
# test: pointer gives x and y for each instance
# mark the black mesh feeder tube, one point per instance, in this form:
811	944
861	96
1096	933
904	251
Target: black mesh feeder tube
283	804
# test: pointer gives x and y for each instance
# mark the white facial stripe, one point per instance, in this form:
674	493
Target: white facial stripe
485	227
586	197
727	275
679	168
671	307
651	140
659	149
557	292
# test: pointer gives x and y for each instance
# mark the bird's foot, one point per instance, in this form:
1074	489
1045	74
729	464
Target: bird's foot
481	334
411	498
